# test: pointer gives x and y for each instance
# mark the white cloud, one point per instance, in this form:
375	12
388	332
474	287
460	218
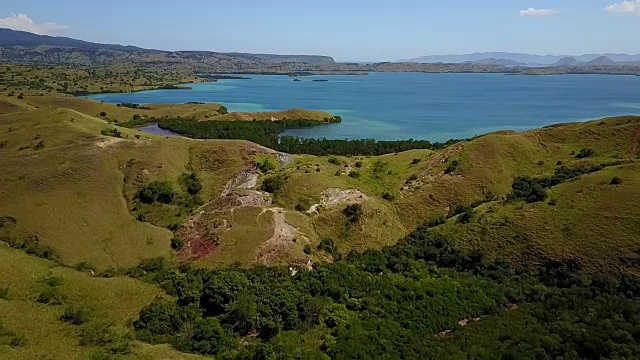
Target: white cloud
23	23
539	12
632	6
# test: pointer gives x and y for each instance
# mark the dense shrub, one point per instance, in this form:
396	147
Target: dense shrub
452	166
328	245
75	315
191	182
533	189
353	212
266	165
615	181
585	153
4	293
267	133
273	184
388	196
177	243
157	191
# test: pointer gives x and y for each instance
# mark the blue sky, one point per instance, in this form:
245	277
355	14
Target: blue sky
353	30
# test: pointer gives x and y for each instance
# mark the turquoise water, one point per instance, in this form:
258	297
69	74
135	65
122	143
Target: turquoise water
436	107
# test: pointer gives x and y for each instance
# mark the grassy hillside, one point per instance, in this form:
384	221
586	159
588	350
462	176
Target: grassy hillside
39	292
96	179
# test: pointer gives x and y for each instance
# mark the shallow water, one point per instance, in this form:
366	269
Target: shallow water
155	129
435	107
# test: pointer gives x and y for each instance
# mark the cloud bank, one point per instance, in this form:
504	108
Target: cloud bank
23	23
539	12
632	6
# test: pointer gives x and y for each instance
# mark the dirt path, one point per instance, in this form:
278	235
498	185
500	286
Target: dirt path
284	235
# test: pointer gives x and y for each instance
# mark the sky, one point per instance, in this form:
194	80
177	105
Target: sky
348	30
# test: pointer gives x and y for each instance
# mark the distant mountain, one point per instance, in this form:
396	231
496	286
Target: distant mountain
9	38
601	60
505	62
526	59
309	59
567	61
35	47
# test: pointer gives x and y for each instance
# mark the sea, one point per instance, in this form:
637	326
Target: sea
435	107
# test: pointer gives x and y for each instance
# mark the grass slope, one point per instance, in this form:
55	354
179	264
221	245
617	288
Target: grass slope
42	334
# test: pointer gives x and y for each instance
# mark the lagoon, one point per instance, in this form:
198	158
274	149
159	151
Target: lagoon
436	107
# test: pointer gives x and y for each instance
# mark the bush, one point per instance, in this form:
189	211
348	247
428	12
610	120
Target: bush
111	132
273	184
177	243
388	196
21	96
358	164
307	249
354	174
39	145
353	213
416	161
103	114
223	110
266	165
412	177
453	166
615	181
4	293
157	191
466	216
328	245
191	183
75	315
585	153
334	160
17	341
436	221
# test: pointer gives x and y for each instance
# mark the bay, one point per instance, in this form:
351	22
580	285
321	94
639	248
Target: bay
436	107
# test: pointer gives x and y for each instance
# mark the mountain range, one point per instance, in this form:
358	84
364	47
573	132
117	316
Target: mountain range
523	59
17	41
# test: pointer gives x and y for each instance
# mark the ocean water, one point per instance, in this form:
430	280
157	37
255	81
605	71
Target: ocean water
436	107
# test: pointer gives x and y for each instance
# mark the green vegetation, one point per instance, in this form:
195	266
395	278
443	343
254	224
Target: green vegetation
533	189
157	191
177	243
273	184
452	166
266	133
191	182
134	106
353	213
585	153
111	132
395	302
